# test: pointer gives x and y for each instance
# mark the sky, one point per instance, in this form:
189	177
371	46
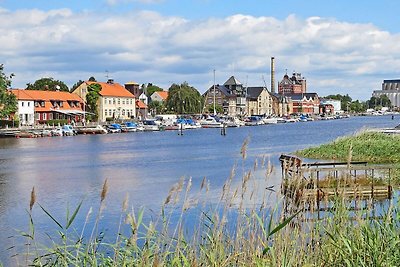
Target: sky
339	46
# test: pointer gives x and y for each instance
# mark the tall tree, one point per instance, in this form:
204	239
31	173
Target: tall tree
184	99
48	84
8	101
92	98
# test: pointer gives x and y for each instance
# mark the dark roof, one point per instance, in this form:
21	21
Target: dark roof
254	92
232	81
221	88
300	96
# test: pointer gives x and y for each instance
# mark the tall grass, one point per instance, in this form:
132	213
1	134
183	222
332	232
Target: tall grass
240	230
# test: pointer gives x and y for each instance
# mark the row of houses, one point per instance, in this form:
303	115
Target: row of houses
292	97
130	101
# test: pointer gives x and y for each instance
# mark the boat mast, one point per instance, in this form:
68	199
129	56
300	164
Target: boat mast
215	113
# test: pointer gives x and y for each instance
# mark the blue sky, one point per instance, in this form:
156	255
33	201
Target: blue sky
339	46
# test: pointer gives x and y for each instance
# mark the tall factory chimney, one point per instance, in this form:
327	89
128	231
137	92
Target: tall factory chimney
272	75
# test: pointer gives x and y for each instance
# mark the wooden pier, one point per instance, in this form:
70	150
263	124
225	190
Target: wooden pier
311	187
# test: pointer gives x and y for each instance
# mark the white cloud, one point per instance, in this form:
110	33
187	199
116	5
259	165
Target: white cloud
147	47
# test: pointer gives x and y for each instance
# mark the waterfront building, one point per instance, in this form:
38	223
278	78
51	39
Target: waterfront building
160	96
222	97
331	106
141	109
390	88
259	101
292	85
36	106
304	103
134	88
115	102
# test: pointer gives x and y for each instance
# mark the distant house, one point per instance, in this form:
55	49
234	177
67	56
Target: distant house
141	109
159	96
331	106
143	97
134	88
304	103
259	101
219	95
42	106
114	102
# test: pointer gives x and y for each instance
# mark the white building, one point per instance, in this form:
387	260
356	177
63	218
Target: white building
26	108
114	102
390	88
337	105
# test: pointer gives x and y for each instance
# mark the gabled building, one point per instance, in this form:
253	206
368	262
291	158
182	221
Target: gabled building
292	85
235	87
115	101
219	95
43	106
259	101
141	110
160	96
307	103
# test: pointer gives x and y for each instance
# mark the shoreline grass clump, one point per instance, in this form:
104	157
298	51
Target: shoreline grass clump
239	230
373	147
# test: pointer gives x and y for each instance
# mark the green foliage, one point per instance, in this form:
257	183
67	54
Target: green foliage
57	122
184	99
150	89
48	84
92	79
218	109
373	147
8	101
345	100
378	102
156	106
92	98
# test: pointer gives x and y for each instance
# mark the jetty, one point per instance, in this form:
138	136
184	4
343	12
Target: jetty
312	186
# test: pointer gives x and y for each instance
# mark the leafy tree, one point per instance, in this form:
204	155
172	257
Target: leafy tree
8	101
150	89
357	106
92	98
92	79
218	109
48	84
184	99
345	99
379	102
156	106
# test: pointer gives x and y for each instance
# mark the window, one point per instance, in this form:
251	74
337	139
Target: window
61	103
114	101
123	101
29	104
42	104
109	101
119	101
44	117
36	104
123	112
105	100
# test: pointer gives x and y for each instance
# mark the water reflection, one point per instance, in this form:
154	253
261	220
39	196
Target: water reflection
66	170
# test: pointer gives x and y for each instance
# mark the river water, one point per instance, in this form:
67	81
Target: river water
65	170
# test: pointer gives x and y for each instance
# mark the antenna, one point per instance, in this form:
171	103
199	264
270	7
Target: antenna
107	76
265	84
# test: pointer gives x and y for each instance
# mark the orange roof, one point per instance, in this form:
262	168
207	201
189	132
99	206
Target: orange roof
113	89
163	94
140	104
47	97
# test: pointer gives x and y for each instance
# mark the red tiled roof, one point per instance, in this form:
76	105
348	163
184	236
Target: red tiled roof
47	97
113	89
163	94
140	104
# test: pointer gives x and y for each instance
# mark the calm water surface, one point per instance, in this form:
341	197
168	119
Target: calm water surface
66	170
